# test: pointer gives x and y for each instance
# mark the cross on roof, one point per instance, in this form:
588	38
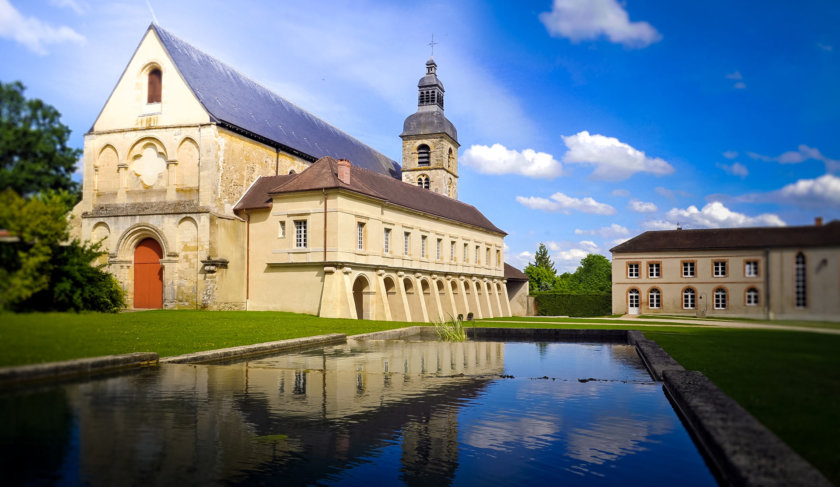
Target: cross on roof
433	43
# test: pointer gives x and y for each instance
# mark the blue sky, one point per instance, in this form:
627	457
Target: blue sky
582	122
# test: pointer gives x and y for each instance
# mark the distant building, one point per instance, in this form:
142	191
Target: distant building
773	273
210	191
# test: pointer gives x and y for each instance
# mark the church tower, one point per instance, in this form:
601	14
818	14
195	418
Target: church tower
430	142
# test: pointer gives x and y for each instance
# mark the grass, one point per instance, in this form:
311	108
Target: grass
789	380
451	331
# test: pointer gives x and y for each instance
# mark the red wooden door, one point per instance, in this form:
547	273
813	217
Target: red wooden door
148	275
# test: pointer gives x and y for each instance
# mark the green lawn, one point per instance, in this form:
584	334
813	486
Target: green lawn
789	380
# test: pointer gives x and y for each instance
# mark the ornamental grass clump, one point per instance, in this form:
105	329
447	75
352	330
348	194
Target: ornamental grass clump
451	331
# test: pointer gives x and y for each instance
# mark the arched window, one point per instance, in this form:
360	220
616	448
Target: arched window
654	301
633	300
689	298
801	282
449	159
154	88
423	181
423	155
720	298
752	297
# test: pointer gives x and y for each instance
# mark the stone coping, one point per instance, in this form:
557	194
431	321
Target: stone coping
77	367
258	349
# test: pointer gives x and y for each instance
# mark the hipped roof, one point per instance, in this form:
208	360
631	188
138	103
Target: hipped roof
239	103
323	174
733	239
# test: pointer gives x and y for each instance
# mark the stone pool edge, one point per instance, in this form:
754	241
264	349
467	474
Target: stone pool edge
52	371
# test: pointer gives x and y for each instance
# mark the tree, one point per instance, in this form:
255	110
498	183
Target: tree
41	271
593	276
34	155
541	273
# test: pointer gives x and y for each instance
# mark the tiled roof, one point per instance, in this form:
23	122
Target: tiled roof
257	196
323	174
733	238
514	274
233	100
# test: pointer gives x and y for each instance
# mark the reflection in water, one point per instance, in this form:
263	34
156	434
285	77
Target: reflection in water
376	412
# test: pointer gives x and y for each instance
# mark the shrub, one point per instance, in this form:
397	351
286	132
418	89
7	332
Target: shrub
554	304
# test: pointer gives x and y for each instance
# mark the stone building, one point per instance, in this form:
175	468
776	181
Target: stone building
184	176
770	273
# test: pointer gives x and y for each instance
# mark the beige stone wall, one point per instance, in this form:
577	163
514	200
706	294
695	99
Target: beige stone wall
775	283
443	163
329	279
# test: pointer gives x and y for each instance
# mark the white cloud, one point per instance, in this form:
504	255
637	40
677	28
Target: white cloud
614	160
561	202
498	159
730	154
579	20
71	4
31	32
801	154
713	215
521	259
738	78
614	230
740	85
825	190
620	192
642	206
825	47
735	169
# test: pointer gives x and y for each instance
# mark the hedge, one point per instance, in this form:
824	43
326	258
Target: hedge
553	304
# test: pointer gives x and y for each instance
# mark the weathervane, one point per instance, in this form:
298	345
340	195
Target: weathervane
433	44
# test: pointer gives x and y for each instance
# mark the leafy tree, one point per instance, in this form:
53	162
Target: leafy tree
593	276
40	271
541	273
34	155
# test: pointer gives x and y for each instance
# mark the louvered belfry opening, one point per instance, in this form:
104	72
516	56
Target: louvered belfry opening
423	155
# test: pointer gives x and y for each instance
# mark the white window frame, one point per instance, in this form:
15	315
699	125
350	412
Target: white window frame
439	251
406	244
693	299
422	246
631	267
651	267
386	241
719	268
689	268
478	255
658	301
301	237
721	297
751	297
360	236
452	250
751	268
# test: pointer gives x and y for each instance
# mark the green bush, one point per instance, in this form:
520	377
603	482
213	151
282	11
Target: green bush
554	304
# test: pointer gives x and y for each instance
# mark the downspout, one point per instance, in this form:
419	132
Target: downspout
325	224
247	258
276	161
767	311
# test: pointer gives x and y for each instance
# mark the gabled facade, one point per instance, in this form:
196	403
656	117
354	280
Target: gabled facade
768	273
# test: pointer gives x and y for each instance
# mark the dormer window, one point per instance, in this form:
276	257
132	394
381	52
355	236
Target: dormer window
423	155
155	85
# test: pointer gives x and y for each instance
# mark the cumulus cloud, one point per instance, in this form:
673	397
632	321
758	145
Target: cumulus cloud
640	206
713	215
735	169
801	154
614	230
31	32
738	78
565	204
730	154
580	20
71	4
614	160
497	159
823	191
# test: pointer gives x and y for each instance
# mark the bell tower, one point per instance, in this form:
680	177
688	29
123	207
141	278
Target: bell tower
430	142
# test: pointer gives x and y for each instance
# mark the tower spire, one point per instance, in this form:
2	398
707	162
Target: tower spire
433	44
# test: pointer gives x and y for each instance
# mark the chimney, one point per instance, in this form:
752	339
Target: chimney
344	171
818	221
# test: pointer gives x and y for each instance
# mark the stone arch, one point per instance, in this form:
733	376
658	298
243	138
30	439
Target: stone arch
413	296
106	170
186	174
150	78
147	162
134	234
460	309
424	155
362	293
395	303
423	181
101	233
429	299
188	267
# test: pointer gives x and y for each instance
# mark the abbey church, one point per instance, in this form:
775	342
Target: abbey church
209	191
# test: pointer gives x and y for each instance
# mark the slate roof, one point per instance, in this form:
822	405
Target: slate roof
514	274
324	175
733	238
240	104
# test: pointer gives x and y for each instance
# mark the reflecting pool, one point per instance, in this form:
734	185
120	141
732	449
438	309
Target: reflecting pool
378	412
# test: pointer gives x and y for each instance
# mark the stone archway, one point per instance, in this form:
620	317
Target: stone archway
361	286
148	275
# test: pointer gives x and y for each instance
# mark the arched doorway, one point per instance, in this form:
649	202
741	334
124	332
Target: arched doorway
360	288
148	275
